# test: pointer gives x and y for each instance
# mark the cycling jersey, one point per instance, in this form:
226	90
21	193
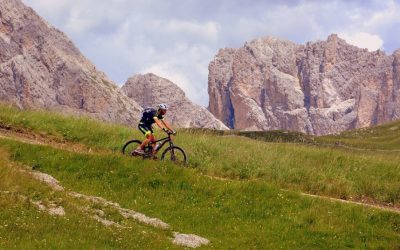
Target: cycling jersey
148	116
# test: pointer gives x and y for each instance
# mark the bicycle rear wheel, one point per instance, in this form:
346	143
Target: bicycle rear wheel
176	155
130	146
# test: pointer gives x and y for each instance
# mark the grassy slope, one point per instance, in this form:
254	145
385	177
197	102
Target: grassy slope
22	226
339	173
249	214
230	214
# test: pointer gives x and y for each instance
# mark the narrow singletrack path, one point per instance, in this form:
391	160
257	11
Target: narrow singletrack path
51	141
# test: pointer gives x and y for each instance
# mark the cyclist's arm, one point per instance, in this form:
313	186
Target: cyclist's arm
159	123
166	124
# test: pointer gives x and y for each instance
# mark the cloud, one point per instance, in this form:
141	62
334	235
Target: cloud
363	40
207	30
385	17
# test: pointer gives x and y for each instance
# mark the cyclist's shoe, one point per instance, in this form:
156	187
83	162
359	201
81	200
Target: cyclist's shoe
138	152
154	157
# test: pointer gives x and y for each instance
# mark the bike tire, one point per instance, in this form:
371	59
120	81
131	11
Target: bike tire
130	146
176	155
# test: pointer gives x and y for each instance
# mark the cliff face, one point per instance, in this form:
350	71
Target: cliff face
41	68
149	90
318	88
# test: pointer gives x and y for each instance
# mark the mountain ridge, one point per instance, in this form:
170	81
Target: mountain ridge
322	87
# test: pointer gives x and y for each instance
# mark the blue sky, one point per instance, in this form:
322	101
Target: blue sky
177	39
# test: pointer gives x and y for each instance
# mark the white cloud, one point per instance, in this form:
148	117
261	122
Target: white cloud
49	7
363	40
385	17
80	22
208	30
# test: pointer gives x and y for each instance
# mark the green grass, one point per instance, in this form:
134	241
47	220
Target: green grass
65	128
278	136
23	226
253	213
335	172
236	215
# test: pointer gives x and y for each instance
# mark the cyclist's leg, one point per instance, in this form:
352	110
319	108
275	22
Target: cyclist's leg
152	138
147	133
153	143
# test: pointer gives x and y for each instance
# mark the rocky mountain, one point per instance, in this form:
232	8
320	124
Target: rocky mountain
149	90
319	88
41	68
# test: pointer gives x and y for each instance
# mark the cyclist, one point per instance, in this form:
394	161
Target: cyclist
149	117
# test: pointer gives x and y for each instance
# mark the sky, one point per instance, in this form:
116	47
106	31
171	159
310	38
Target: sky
177	39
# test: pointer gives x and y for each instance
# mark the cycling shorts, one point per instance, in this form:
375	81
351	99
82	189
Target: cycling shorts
146	130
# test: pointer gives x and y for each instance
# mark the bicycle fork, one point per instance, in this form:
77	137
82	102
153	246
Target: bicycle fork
171	145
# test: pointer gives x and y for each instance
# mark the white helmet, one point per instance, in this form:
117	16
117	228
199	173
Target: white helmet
162	106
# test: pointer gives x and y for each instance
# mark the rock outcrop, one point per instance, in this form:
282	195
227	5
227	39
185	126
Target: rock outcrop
41	68
319	88
149	90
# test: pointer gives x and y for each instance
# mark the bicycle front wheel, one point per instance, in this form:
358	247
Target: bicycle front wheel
176	155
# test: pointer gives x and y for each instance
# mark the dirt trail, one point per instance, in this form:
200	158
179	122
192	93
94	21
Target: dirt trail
344	146
47	140
83	149
375	206
366	204
319	144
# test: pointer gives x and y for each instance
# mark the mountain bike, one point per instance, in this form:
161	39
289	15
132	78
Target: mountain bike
171	153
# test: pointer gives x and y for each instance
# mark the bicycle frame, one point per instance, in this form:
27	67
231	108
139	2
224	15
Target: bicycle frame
163	140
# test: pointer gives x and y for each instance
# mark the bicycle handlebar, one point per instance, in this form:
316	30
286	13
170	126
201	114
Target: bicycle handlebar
171	132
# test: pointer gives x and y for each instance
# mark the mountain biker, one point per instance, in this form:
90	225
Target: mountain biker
149	117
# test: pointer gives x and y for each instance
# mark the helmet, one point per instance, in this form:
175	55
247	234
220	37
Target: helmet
162	106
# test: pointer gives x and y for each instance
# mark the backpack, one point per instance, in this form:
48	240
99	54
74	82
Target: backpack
148	114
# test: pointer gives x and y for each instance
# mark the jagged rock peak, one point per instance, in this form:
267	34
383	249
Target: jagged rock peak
319	88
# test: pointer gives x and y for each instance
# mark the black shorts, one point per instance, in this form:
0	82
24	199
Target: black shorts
146	130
